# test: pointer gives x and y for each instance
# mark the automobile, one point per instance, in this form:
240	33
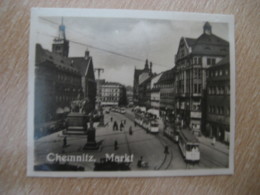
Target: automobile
107	111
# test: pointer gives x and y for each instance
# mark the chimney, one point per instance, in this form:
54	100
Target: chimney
151	67
86	54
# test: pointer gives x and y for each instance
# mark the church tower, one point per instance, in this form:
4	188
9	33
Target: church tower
60	44
146	66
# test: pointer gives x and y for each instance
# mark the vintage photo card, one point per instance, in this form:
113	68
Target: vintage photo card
126	93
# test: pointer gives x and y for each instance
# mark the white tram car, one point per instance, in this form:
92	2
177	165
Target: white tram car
189	146
148	123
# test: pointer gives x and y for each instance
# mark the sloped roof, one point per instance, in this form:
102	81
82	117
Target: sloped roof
81	64
60	62
167	77
190	41
137	73
208	44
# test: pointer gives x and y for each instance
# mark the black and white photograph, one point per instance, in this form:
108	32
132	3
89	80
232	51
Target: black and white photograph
126	93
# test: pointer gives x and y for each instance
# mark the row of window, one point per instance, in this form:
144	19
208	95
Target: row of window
216	73
195	73
71	79
64	98
211	61
110	94
219	110
218	90
70	90
198	60
167	95
109	99
109	90
197	88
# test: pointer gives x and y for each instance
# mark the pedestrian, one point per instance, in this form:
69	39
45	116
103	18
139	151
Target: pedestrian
121	126
214	141
139	162
115	126
115	145
124	121
166	150
111	119
130	130
64	141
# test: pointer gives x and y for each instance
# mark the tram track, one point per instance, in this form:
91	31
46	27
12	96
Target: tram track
168	158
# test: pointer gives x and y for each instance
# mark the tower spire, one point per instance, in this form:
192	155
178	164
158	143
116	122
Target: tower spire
60	44
207	28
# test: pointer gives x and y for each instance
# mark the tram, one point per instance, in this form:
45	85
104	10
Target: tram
146	121
189	146
171	130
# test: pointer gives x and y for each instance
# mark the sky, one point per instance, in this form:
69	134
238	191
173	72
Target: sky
121	45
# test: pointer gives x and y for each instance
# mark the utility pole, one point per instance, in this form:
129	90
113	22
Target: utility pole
99	70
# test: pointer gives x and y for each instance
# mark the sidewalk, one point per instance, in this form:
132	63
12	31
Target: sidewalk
218	145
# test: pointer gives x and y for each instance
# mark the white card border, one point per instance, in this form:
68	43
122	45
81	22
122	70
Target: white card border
114	13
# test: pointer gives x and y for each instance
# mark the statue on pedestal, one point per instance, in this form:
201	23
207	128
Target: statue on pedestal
91	137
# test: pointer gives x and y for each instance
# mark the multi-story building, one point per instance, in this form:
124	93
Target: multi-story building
218	101
60	79
129	94
139	76
88	83
113	94
57	83
167	86
193	58
155	95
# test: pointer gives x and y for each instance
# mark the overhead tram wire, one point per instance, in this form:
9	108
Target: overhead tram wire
97	48
74	31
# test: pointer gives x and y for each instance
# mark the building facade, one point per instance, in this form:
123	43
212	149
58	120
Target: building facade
155	96
139	76
129	94
167	86
113	94
218	101
193	58
59	80
88	82
57	83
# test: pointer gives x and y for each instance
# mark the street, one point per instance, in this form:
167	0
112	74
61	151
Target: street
140	143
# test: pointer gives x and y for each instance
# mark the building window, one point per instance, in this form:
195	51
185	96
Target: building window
220	73
195	88
221	110
211	61
200	60
226	72
199	73
199	88
227	90
227	111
